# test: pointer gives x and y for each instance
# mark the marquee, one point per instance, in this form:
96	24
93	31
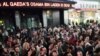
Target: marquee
36	4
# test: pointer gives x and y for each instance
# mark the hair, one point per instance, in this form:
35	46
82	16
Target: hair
12	54
89	49
97	50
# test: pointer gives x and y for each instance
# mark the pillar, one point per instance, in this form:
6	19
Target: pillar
44	19
66	17
17	18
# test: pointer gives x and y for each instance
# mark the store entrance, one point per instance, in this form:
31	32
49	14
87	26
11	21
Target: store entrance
30	21
51	18
31	18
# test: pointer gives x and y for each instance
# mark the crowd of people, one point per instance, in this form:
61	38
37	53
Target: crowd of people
64	40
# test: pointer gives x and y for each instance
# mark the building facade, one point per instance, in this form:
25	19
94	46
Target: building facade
84	11
30	13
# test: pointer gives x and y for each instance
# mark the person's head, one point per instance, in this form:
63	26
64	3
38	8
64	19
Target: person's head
97	52
55	48
69	49
54	53
5	50
81	37
89	50
26	45
12	53
34	33
17	50
79	52
43	51
52	40
69	54
32	51
59	44
87	39
10	38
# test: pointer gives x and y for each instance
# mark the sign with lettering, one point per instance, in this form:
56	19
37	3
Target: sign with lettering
72	1
36	4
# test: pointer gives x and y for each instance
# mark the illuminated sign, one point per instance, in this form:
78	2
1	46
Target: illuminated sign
1	21
36	4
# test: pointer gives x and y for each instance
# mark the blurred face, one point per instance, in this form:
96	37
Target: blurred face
77	43
69	50
50	46
55	48
69	54
5	50
75	33
34	33
52	40
26	45
79	53
17	49
59	44
43	51
82	43
81	37
54	54
10	39
87	39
